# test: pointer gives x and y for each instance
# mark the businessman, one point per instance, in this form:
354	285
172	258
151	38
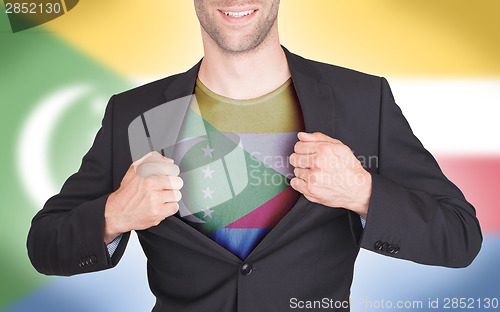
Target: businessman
262	244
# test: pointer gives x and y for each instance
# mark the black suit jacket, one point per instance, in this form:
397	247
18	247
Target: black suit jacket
415	212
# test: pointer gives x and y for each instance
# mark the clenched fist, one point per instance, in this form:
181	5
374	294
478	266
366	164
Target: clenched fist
327	172
148	193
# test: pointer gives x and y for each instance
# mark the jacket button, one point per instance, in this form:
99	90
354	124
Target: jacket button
93	260
82	263
395	249
378	245
390	249
246	269
385	245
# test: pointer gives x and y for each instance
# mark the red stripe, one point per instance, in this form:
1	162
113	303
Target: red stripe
478	177
270	213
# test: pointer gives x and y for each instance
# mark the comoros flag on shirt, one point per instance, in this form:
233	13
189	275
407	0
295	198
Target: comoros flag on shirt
222	181
228	194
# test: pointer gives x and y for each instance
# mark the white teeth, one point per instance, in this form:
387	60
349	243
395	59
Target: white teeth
239	14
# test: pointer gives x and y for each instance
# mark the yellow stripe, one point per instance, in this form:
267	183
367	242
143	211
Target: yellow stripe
384	37
254	116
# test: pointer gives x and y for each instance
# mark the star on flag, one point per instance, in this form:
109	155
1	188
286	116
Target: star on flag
208	172
207	212
207	193
208	151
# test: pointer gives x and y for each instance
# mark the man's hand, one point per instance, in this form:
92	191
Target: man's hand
327	172
148	193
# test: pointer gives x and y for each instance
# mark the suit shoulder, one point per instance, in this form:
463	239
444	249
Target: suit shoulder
339	74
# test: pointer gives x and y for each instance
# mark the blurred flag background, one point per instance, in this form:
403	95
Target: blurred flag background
440	57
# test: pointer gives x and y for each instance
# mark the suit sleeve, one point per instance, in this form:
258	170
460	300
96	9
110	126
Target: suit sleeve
67	236
415	212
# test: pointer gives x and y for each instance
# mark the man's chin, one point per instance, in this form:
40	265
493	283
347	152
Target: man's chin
239	46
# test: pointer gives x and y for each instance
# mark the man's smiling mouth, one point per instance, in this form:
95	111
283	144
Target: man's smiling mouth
239	14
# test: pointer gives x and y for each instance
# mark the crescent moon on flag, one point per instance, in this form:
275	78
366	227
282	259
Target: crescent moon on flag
32	149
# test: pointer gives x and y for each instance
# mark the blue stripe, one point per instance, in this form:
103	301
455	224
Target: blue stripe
239	241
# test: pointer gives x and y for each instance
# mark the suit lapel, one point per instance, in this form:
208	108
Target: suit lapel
158	127
316	99
183	84
317	104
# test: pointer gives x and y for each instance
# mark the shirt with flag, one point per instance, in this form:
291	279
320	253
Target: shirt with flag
233	157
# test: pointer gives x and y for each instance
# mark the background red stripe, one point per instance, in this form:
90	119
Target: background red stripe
479	179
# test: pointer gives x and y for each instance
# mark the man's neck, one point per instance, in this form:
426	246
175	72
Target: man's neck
244	76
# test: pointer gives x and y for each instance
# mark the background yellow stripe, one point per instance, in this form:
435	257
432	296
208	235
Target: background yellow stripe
385	37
